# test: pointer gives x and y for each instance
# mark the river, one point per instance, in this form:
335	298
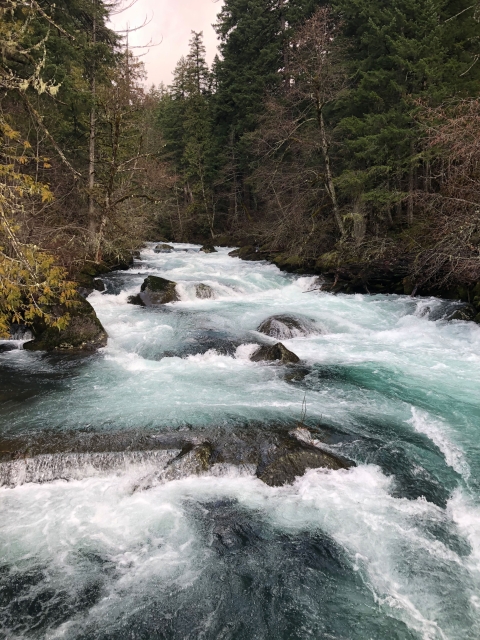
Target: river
97	544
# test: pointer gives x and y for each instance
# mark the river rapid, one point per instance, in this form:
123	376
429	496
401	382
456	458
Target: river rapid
96	543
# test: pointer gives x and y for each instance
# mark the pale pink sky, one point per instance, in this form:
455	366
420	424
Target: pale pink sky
171	24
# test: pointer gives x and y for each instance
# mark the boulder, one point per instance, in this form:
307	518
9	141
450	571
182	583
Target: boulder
137	300
208	248
292	458
5	346
83	333
192	460
204	291
284	327
249	253
155	291
163	248
98	285
463	312
275	353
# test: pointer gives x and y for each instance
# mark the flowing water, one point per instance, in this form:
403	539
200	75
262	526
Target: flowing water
98	540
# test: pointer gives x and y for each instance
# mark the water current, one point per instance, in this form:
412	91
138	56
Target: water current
97	542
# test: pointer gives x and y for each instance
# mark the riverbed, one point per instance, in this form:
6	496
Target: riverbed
97	544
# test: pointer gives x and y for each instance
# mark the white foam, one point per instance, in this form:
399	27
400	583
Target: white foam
437	431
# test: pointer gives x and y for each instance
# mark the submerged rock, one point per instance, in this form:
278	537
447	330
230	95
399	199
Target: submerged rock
293	458
84	332
274	353
163	248
286	327
155	291
208	248
204	291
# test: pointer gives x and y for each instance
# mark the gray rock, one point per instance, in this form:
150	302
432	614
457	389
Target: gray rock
275	353
284	327
163	248
204	291
208	248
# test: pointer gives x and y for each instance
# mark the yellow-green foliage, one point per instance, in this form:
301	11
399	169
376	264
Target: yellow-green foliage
31	284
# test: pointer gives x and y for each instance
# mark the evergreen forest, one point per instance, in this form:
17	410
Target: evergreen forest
336	138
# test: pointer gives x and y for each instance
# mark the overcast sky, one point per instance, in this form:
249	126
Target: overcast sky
171	24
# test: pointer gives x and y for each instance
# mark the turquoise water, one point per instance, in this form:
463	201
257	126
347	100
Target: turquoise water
389	549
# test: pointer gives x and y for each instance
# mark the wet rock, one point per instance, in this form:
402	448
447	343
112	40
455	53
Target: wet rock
5	347
192	460
208	248
463	312
163	248
249	253
293	458
98	285
286	327
275	353
84	332
155	291
204	291
136	300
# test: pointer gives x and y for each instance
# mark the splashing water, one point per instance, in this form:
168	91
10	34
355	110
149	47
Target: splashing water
98	541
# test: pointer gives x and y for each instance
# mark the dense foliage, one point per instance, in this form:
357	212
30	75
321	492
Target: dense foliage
316	125
78	170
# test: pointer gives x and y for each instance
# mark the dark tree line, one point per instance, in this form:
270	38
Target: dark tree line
319	132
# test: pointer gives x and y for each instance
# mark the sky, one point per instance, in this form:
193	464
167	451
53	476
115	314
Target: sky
171	22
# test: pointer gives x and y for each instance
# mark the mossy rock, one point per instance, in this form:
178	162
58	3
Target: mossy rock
83	333
275	353
208	248
155	291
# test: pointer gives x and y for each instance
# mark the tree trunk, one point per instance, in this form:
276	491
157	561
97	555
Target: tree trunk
92	223
328	172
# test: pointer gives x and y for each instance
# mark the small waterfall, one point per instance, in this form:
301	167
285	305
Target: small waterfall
75	466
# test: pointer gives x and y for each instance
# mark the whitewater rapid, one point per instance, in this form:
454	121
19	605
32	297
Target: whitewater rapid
388	549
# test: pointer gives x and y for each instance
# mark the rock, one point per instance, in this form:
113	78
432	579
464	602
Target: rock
274	353
163	248
84	332
249	253
155	291
208	248
136	300
5	347
284	327
98	284
464	312
192	460
204	291
291	460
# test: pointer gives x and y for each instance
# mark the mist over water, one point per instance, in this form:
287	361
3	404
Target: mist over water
99	542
